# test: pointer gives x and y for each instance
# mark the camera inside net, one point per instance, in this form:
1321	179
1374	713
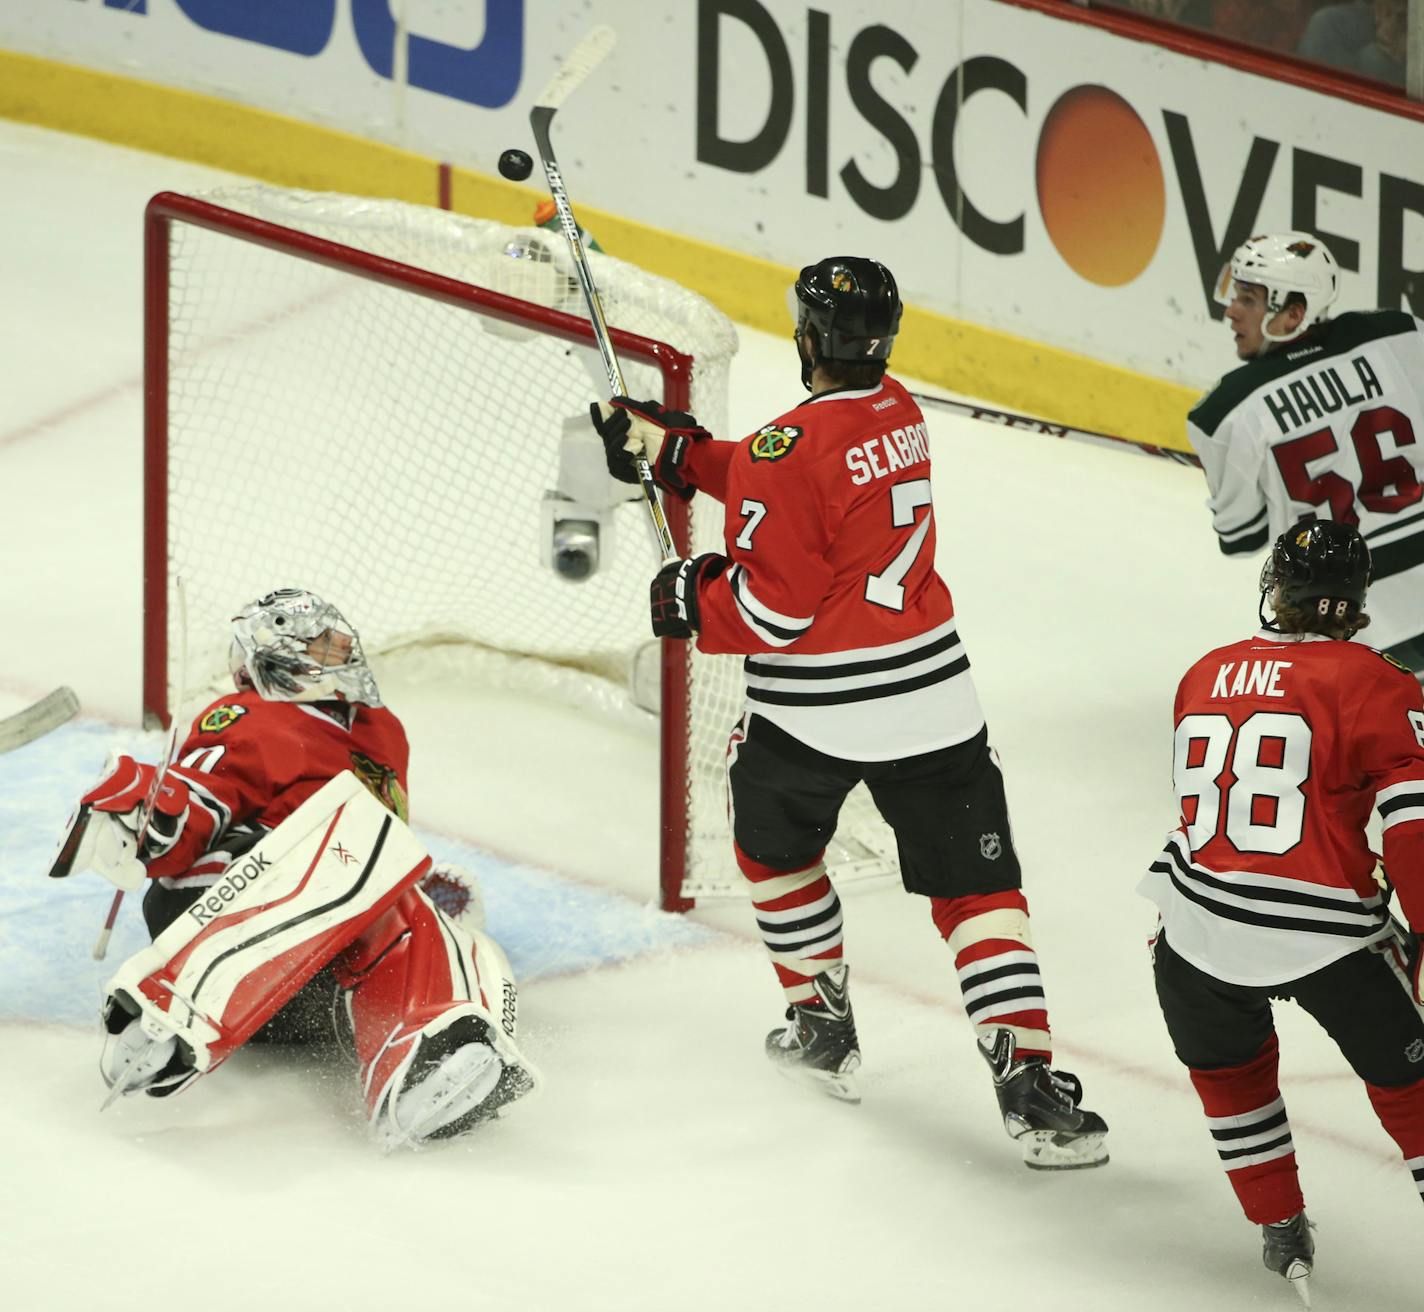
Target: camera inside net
575	538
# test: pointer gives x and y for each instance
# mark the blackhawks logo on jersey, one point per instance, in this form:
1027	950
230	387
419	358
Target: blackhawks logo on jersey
381	782
774	441
220	717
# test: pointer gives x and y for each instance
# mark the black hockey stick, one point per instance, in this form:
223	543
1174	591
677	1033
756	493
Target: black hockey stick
1009	419
585	57
35	721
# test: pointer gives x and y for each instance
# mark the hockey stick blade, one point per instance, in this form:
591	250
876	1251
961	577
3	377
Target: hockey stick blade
35	721
580	62
1008	419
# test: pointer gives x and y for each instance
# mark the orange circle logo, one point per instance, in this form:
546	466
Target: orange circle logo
1100	187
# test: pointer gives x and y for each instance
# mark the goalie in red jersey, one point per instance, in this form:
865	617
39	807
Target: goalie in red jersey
854	672
1286	744
286	897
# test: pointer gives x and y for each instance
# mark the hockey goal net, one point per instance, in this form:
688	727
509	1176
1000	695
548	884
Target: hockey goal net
388	404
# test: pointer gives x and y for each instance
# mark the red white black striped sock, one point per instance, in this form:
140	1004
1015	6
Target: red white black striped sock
1247	1118
1401	1112
997	967
799	916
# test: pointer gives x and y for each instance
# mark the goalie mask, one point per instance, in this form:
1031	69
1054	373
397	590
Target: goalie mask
850	309
291	646
1320	568
1283	263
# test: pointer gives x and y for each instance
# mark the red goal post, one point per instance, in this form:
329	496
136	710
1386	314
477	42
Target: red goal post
376	400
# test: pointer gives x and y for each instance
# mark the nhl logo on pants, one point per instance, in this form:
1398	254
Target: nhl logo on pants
990	848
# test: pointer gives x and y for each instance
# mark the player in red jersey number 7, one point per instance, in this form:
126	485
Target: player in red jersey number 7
1286	743
854	672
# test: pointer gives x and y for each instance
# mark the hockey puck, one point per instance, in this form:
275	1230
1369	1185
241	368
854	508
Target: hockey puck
515	165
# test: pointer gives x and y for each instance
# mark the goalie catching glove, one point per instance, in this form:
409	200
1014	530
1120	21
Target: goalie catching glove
673	594
664	438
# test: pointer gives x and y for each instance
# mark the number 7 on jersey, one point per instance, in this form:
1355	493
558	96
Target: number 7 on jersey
886	588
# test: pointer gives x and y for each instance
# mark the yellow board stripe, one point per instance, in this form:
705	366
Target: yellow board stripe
955	354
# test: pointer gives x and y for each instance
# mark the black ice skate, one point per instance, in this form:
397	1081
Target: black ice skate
1288	1249
456	1080
819	1046
1040	1109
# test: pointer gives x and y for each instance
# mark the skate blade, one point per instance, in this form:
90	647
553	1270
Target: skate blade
132	1075
1297	1275
1046	1150
126	1081
461	1082
840	1085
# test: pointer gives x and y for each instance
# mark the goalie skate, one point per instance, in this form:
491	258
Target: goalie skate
140	1054
1288	1249
453	1081
819	1046
1041	1111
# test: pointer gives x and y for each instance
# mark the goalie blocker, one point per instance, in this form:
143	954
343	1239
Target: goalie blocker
428	1004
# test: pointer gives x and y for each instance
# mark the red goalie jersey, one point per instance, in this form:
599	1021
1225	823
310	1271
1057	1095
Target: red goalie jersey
1285	746
831	588
247	764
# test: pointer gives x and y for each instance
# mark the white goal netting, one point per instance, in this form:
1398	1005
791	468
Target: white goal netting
409	457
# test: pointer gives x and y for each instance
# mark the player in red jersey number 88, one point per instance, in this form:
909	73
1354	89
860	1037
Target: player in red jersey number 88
854	672
1285	744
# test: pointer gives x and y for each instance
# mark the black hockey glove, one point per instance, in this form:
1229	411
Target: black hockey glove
162	834
673	594
664	437
1403	950
1414	964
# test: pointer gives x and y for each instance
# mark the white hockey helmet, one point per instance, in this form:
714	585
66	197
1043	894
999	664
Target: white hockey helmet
272	651
1282	263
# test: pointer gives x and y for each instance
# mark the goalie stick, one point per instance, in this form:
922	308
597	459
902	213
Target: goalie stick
1009	419
584	58
35	721
101	944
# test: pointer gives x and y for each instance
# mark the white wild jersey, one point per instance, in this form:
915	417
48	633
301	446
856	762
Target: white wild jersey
1330	426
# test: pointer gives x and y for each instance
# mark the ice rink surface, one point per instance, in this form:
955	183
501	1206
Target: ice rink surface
666	1165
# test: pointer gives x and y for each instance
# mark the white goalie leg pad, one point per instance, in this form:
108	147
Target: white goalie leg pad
279	914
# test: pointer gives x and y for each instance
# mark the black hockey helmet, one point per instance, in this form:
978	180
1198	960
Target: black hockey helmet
1320	567
851	308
